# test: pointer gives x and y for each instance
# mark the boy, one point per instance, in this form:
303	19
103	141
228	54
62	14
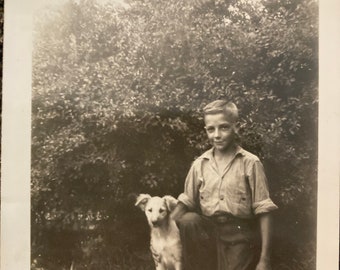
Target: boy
225	194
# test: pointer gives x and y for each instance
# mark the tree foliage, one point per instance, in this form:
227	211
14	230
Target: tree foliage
117	98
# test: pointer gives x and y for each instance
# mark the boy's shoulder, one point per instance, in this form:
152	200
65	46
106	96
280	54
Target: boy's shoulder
206	155
248	156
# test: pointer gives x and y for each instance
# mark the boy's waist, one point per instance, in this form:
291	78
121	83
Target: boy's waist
224	217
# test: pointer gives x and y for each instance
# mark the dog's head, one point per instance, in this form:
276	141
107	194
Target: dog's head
156	209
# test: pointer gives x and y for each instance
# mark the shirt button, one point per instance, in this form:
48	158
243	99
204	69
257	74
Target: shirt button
221	197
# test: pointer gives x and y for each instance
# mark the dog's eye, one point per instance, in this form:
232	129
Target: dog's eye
150	210
161	210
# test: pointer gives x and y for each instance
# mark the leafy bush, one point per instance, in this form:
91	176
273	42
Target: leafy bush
117	94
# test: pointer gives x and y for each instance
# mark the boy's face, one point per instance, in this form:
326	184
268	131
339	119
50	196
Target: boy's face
220	131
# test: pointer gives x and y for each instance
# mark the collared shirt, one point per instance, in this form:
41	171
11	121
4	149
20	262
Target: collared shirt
241	190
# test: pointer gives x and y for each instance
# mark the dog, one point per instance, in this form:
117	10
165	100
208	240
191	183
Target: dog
165	243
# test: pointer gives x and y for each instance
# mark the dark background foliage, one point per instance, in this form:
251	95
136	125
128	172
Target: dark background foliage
116	111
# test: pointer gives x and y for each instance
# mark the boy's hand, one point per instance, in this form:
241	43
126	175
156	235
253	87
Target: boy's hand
263	264
266	231
179	211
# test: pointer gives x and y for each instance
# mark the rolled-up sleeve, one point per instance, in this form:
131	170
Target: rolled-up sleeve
261	201
190	195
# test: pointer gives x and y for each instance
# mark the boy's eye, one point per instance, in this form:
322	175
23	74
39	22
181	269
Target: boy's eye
225	127
161	210
209	129
150	210
222	128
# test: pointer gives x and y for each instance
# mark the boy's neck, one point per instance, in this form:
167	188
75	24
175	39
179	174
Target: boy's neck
230	151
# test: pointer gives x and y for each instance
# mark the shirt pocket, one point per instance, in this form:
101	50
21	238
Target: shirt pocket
240	197
204	195
240	203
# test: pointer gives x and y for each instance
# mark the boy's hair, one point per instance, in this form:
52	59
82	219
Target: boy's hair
222	106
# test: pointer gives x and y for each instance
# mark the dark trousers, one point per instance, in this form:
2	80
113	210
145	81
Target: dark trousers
212	244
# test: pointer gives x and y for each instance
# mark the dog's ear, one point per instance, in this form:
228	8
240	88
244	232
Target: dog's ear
170	202
142	200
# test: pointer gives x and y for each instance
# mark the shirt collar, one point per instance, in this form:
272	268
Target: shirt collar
210	153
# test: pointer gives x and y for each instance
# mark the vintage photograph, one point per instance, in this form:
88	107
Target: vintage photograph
171	134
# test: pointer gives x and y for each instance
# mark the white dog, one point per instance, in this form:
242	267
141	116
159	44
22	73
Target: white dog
165	241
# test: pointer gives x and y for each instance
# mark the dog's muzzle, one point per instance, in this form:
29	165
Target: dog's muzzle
155	223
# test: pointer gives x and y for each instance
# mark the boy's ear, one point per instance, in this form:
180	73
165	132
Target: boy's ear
170	202
142	200
237	126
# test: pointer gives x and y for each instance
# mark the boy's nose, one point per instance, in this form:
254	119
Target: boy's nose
217	133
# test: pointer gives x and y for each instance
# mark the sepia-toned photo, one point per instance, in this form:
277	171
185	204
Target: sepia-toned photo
174	135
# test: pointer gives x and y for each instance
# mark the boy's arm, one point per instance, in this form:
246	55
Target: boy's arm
179	211
265	220
187	201
262	207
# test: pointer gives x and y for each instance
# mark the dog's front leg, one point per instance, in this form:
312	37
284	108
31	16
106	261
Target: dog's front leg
160	267
178	266
157	259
